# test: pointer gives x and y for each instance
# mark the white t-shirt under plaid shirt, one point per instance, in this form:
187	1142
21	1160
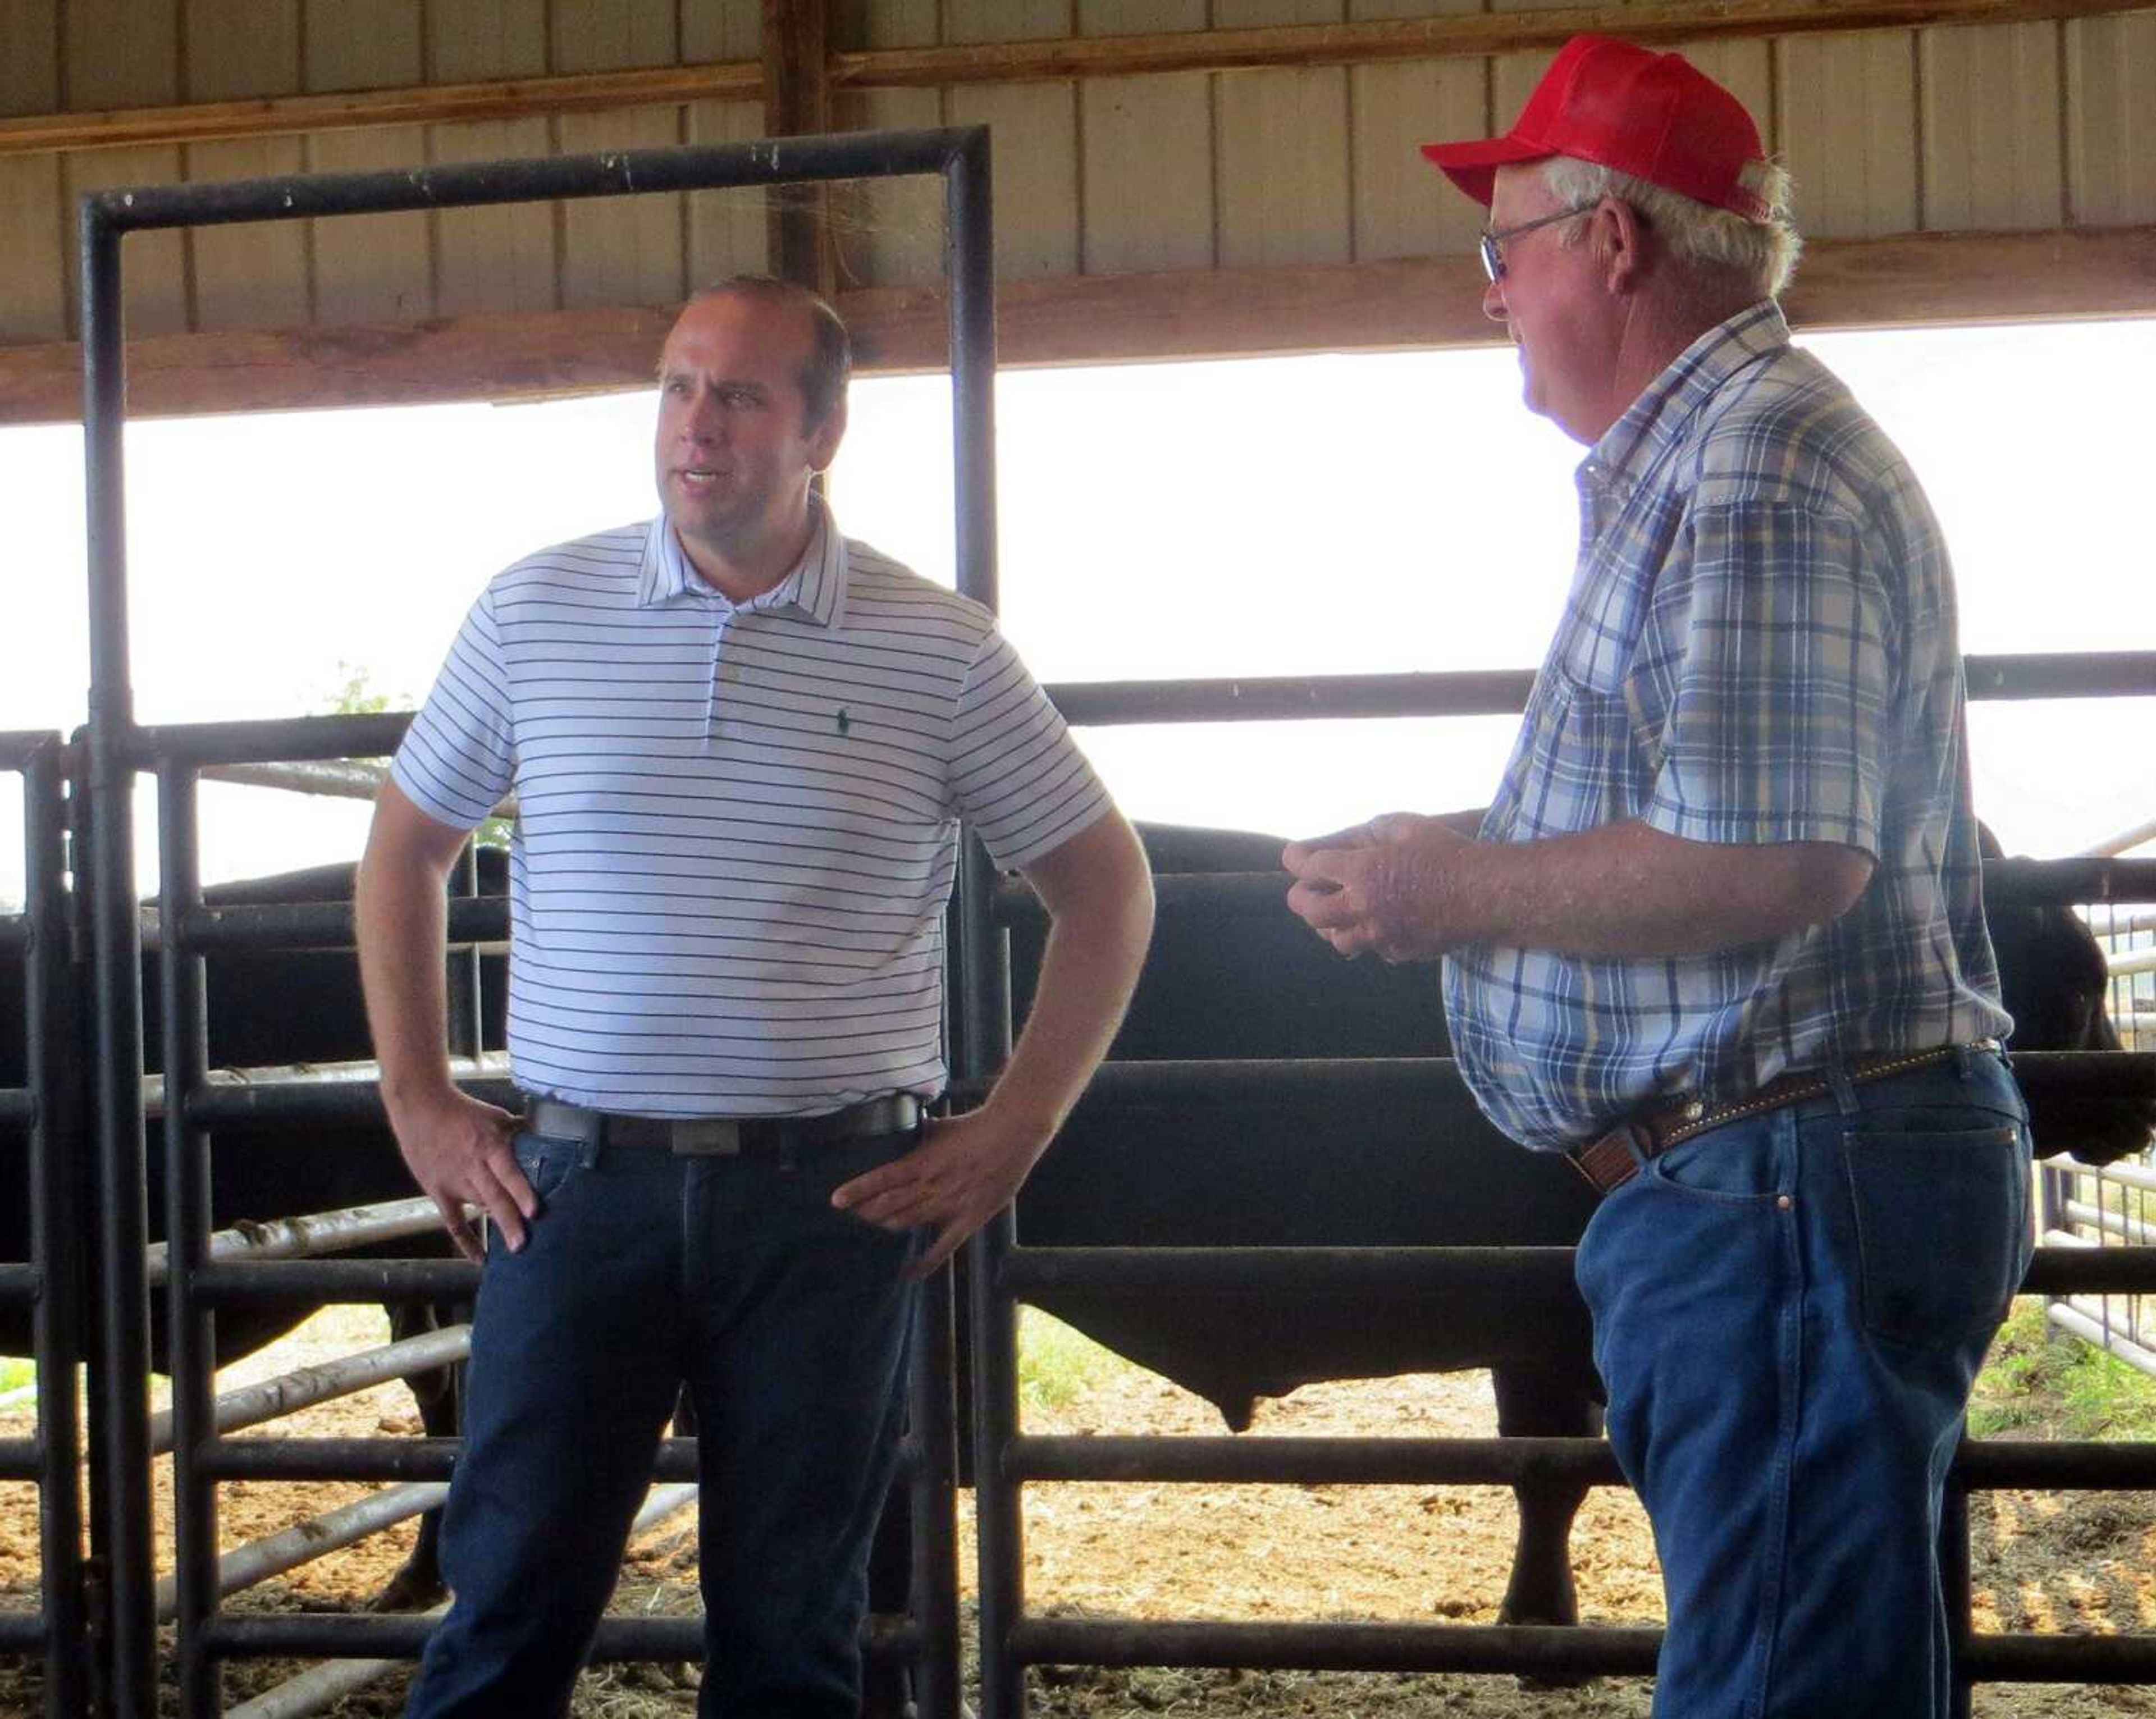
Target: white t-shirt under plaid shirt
1759	646
737	822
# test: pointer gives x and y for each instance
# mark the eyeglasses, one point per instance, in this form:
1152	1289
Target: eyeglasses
1492	243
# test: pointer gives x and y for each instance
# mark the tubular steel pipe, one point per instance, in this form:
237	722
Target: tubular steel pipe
18	1109
27	1633
315	1232
545	179
1314	1461
189	1326
284	1282
56	1242
271	1459
272	1399
1366	1272
933	1584
1542	1650
340	1635
328	924
338	1092
121	1470
21	1458
274	1554
20	1285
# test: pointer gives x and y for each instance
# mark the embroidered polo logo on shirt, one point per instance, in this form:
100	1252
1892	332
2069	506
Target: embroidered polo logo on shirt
845	722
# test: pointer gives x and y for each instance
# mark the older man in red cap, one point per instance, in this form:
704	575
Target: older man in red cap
1718	938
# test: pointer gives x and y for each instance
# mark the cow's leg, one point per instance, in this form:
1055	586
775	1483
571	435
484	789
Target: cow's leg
1532	1403
418	1583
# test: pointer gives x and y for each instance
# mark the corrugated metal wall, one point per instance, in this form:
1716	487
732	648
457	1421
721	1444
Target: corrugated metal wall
2016	126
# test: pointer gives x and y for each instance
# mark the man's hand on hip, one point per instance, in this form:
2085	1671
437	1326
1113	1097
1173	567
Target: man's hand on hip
964	1170
1377	886
458	1152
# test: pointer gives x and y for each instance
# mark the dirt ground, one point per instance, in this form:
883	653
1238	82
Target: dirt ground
1401	1553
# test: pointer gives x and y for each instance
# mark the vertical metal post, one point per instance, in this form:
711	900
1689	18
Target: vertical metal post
934	1579
55	1233
983	1015
190	1335
1954	1580
123	1226
465	1001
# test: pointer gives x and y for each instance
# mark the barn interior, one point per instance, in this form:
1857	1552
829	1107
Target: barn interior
1174	181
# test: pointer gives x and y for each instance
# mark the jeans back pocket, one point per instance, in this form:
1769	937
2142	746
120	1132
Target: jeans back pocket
1942	1221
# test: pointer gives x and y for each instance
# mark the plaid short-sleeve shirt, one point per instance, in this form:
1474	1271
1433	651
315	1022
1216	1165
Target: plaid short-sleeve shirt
1759	646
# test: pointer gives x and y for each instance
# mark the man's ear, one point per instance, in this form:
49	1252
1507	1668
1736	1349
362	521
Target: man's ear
823	440
1619	237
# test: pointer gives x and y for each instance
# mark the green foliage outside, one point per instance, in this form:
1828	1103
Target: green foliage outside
1056	1364
355	694
15	1374
2040	1385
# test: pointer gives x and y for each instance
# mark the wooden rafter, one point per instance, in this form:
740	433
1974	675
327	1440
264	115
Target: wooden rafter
1914	280
1453	36
796	102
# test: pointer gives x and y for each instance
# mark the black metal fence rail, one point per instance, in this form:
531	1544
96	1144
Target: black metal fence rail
38	1131
118	747
1005	1274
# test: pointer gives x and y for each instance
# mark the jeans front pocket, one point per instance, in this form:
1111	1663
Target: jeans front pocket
1942	1220
547	1164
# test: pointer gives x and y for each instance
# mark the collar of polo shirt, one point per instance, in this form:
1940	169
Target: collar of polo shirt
815	590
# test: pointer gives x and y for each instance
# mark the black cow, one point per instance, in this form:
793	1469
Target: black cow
1280	1171
279	1008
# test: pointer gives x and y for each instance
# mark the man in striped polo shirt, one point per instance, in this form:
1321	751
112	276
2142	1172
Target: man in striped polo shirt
1719	935
741	745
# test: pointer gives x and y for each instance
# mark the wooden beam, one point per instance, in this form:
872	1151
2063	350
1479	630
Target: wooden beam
1916	279
1470	36
1452	37
796	102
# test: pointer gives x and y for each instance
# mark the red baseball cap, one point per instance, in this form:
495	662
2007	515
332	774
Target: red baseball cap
1655	116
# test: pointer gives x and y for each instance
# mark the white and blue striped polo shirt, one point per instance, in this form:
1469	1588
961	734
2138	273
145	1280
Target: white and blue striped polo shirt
736	821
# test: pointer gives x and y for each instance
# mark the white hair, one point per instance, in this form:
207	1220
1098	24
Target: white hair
1764	253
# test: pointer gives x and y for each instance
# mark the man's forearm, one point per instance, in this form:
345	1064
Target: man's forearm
1627	889
403	933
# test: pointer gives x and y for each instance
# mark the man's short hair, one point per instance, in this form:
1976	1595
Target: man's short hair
1763	253
829	364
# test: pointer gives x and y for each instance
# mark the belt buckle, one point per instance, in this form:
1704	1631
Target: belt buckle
707	1137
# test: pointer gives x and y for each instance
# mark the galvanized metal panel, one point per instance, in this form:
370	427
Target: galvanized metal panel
253	275
367	268
374	44
613	35
1034	130
1145	151
154	270
35	262
886	23
622	250
889	231
29	56
1404	206
1848	105
371	267
728	232
503	258
121	53
497	259
476	39
722	32
2111	120
1993	159
1282	143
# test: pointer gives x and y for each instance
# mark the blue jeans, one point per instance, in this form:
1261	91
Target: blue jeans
787	1320
1790	1312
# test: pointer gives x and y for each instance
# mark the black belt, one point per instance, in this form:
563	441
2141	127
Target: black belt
723	1137
1611	1161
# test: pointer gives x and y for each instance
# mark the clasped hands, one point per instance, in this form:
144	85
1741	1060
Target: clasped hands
1382	886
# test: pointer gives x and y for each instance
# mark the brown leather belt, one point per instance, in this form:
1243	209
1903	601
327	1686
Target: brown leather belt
721	1136
1611	1161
